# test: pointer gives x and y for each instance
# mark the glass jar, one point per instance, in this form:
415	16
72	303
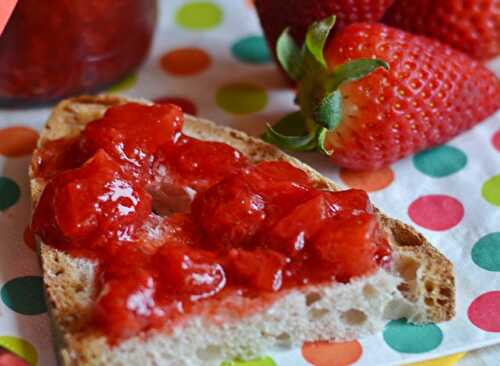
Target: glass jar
53	49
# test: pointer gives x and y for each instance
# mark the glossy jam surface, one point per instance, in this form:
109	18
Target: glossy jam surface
70	47
176	222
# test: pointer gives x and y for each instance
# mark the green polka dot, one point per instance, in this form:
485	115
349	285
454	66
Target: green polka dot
199	15
491	190
486	252
407	338
241	98
264	361
124	84
252	49
440	161
9	193
24	295
20	347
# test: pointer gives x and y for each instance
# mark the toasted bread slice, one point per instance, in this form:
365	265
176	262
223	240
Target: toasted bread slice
420	286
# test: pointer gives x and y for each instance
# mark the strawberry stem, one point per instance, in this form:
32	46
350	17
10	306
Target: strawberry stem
318	94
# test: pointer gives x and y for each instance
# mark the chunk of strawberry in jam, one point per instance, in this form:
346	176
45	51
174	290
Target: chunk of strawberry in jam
190	272
350	247
85	203
230	212
175	229
351	202
293	231
260	269
123	261
57	156
199	164
132	132
127	305
268	177
180	229
282	186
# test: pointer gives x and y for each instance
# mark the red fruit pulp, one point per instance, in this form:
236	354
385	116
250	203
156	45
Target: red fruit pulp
126	306
88	205
230	213
243	265
56	157
290	234
346	248
198	164
252	229
192	272
131	133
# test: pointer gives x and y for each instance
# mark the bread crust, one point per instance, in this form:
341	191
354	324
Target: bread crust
428	278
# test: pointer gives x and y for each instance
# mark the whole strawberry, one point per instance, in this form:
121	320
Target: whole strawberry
276	15
470	26
365	116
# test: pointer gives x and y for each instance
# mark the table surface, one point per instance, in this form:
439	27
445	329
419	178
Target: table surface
210	57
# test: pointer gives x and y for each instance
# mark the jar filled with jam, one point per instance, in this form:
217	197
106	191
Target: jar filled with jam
53	49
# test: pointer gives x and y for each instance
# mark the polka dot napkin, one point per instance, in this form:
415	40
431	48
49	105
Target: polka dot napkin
210	58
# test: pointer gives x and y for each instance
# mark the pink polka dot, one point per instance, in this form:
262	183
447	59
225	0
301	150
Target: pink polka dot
496	140
186	105
484	312
436	212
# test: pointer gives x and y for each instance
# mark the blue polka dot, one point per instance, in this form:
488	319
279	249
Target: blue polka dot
440	161
252	49
486	252
24	295
404	337
9	193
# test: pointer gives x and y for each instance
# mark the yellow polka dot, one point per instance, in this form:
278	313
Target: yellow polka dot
20	347
442	361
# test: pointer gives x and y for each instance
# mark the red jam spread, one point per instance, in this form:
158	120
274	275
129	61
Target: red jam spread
56	48
175	222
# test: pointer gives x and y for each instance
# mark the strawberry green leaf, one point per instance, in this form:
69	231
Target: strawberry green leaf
289	55
355	70
320	142
305	141
329	111
292	143
292	124
316	37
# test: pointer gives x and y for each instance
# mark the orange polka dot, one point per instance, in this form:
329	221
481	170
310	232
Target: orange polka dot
250	3
29	238
185	61
332	353
17	141
370	181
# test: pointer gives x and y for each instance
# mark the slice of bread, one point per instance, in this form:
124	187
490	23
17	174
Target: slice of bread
420	286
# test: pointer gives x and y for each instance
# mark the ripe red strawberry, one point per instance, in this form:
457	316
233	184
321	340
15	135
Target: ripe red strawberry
470	26
276	15
429	94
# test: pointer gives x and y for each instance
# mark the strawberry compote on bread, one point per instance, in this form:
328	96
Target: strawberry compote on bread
225	227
